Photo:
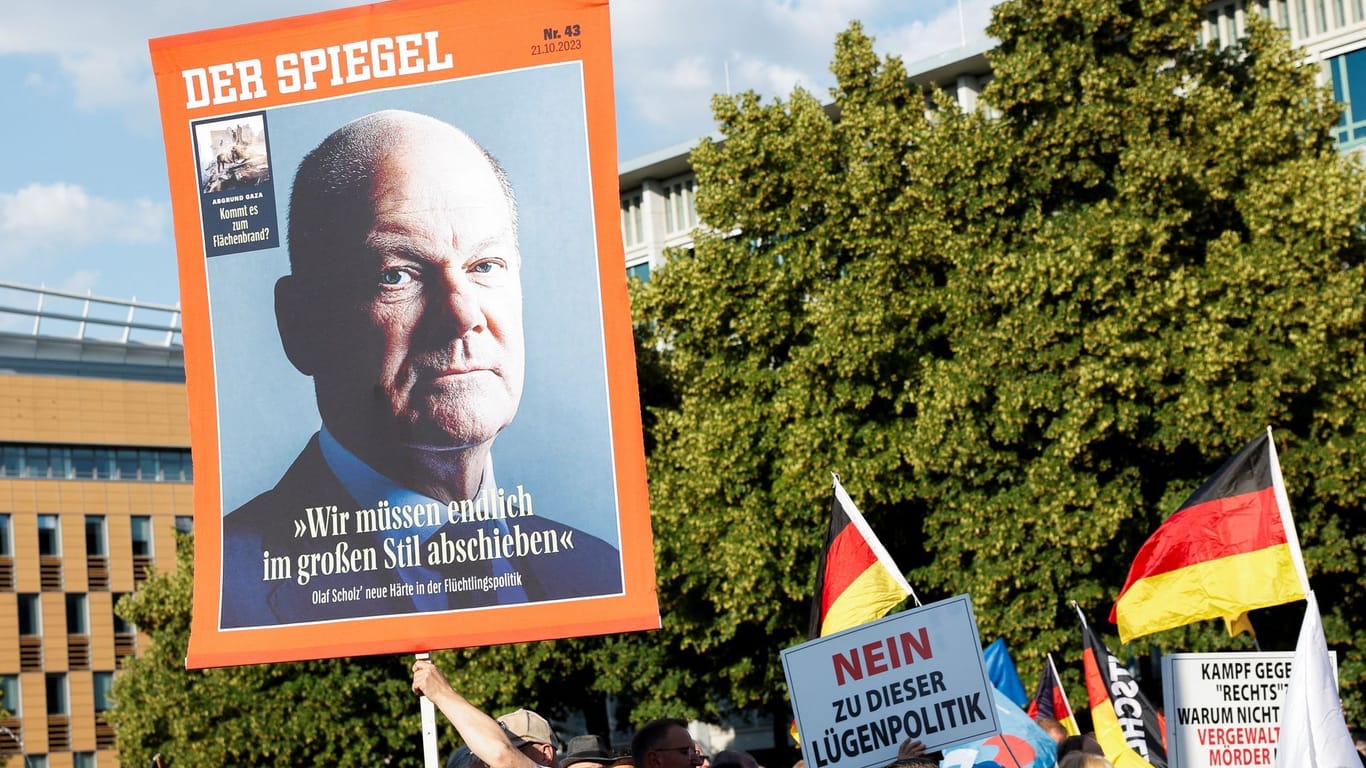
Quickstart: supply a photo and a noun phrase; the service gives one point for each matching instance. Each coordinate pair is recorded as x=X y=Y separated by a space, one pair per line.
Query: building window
x=639 y=272
x=12 y=460
x=184 y=524
x=632 y=220
x=96 y=539
x=83 y=463
x=77 y=615
x=680 y=207
x=1348 y=72
x=6 y=536
x=9 y=695
x=104 y=685
x=38 y=461
x=122 y=626
x=49 y=535
x=142 y=535
x=170 y=465
x=126 y=464
x=57 y=703
x=148 y=466
x=82 y=760
x=30 y=616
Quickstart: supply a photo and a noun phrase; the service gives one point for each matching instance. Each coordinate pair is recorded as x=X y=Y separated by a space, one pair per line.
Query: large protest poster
x=414 y=412
x=918 y=674
x=1224 y=709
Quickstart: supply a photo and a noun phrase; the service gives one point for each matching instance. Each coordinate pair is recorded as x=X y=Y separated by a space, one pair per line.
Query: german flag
x=856 y=581
x=1126 y=725
x=1050 y=700
x=1229 y=549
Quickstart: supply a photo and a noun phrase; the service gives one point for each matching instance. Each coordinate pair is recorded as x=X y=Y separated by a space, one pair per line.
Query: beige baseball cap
x=526 y=727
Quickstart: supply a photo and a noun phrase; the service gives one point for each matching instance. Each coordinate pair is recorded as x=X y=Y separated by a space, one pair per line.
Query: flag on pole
x=1050 y=700
x=1002 y=673
x=1230 y=548
x=856 y=580
x=1126 y=724
x=1313 y=731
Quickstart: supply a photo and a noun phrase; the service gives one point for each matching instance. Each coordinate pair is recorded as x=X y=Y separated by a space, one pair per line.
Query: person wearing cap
x=588 y=751
x=489 y=740
x=533 y=735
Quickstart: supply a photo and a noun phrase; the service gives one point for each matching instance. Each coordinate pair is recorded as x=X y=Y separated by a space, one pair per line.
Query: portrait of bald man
x=404 y=305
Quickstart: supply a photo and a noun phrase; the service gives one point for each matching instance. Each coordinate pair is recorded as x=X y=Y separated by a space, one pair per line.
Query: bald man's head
x=404 y=300
x=331 y=200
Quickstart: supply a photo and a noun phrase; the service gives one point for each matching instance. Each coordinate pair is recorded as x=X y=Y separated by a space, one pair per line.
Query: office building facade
x=95 y=478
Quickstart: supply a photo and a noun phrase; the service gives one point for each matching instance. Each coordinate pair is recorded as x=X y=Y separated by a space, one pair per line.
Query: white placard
x=1224 y=709
x=919 y=674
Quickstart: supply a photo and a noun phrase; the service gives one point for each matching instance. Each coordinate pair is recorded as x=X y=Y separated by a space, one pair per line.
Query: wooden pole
x=430 y=759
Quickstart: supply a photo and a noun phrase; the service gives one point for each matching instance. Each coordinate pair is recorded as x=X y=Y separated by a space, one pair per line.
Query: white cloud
x=52 y=218
x=101 y=46
x=671 y=57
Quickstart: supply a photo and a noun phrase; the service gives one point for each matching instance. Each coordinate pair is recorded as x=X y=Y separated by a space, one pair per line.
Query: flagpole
x=1292 y=537
x=1077 y=608
x=1061 y=690
x=428 y=711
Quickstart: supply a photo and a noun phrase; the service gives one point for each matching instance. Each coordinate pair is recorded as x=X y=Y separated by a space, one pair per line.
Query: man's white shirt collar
x=369 y=487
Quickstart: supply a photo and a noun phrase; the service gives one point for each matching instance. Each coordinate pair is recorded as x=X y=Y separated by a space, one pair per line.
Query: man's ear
x=295 y=324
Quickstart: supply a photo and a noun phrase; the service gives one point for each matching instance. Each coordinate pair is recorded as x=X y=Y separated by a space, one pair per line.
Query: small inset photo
x=232 y=153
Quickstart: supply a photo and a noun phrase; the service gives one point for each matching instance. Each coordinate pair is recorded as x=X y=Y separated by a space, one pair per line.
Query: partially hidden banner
x=413 y=403
x=1224 y=708
x=918 y=674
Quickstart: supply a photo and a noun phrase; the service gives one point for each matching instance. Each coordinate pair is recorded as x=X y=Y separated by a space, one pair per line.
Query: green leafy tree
x=338 y=712
x=1022 y=334
x=781 y=360
x=1162 y=255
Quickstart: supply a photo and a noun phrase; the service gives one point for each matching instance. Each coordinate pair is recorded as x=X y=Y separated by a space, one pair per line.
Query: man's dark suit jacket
x=266 y=524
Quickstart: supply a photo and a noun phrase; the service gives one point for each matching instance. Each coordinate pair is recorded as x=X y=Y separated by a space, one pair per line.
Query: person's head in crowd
x=1053 y=728
x=1085 y=744
x=588 y=751
x=1084 y=760
x=664 y=743
x=733 y=758
x=532 y=734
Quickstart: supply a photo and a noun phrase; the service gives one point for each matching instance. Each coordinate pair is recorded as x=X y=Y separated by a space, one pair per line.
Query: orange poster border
x=487 y=36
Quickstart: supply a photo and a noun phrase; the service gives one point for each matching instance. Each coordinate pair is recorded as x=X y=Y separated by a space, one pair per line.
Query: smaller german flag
x=1050 y=700
x=1138 y=741
x=856 y=581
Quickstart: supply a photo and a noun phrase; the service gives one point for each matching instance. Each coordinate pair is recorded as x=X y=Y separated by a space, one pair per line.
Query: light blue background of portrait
x=559 y=445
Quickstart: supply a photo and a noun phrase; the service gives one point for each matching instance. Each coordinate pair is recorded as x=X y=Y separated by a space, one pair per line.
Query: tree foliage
x=1022 y=334
x=319 y=713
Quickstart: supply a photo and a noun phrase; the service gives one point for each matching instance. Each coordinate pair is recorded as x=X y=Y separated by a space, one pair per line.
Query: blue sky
x=83 y=192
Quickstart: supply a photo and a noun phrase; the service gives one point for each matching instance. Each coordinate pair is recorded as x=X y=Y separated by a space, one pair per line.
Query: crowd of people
x=524 y=739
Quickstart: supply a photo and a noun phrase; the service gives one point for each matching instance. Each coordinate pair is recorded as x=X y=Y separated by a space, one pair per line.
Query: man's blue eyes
x=394 y=277
x=402 y=276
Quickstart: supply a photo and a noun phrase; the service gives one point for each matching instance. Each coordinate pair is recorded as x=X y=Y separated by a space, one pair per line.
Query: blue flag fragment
x=1001 y=670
